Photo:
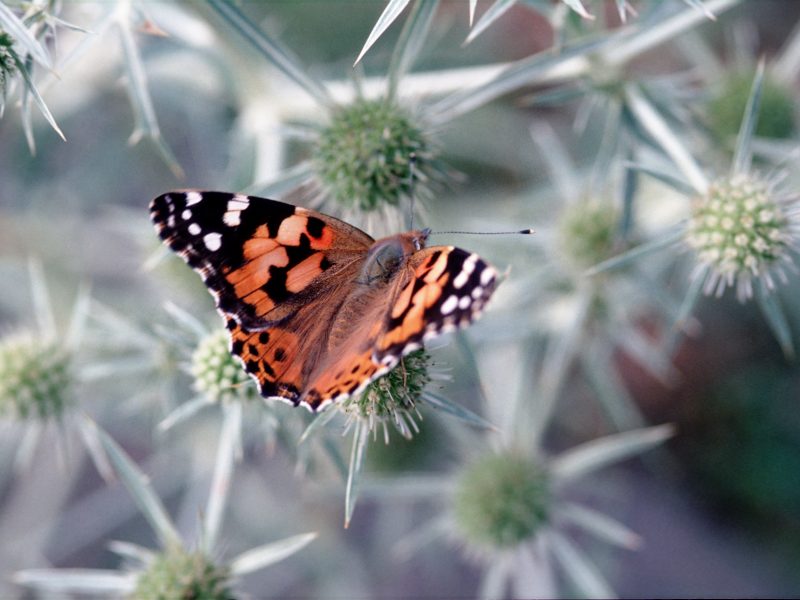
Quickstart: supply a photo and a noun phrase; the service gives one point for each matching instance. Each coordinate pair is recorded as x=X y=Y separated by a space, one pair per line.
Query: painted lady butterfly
x=316 y=308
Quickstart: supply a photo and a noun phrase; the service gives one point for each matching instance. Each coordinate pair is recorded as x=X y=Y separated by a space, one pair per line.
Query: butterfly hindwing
x=260 y=258
x=439 y=289
x=448 y=290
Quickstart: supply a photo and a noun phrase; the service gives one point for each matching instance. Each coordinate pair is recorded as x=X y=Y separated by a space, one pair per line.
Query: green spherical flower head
x=588 y=233
x=776 y=114
x=739 y=232
x=181 y=575
x=35 y=378
x=7 y=64
x=396 y=393
x=364 y=156
x=217 y=374
x=501 y=501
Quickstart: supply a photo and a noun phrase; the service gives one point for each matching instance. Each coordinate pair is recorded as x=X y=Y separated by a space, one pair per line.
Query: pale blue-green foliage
x=650 y=164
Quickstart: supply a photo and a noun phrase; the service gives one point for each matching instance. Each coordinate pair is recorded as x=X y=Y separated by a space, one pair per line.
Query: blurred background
x=717 y=507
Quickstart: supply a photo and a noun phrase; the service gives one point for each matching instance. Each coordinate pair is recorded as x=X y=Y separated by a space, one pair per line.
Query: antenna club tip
x=528 y=231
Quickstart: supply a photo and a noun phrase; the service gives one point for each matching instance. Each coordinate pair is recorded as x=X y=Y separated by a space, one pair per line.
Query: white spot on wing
x=194 y=229
x=238 y=202
x=469 y=263
x=449 y=305
x=411 y=347
x=487 y=275
x=231 y=218
x=464 y=302
x=193 y=198
x=213 y=241
x=460 y=279
x=429 y=335
x=186 y=214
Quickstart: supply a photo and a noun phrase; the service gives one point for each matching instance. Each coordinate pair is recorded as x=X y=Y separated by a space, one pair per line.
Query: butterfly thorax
x=389 y=254
x=385 y=265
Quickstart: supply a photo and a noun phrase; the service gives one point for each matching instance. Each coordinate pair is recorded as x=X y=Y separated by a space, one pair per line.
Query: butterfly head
x=420 y=237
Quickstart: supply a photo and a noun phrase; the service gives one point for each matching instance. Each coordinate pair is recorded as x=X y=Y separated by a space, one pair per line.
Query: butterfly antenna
x=518 y=232
x=412 y=180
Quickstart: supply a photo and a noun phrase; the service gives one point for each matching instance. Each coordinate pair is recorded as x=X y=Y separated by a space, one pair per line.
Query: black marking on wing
x=185 y=219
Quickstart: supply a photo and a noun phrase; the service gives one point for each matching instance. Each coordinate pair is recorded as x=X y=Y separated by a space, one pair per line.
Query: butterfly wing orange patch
x=448 y=290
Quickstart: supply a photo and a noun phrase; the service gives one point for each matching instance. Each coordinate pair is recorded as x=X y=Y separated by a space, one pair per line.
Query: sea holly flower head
x=742 y=230
x=36 y=377
x=178 y=573
x=177 y=569
x=777 y=118
x=7 y=65
x=501 y=501
x=371 y=153
x=588 y=233
x=217 y=374
x=40 y=366
x=393 y=398
x=509 y=507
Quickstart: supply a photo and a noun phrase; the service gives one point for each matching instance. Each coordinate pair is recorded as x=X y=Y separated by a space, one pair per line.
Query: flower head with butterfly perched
x=316 y=308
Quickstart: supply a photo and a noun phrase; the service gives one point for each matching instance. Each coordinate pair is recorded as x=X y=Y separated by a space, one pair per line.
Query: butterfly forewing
x=260 y=258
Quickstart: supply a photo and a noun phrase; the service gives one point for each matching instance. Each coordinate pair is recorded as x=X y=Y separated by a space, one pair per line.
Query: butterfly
x=316 y=308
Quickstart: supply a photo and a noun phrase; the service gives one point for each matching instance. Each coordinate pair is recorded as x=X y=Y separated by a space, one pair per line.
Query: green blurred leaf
x=677 y=184
x=666 y=138
x=579 y=569
x=22 y=35
x=141 y=491
x=621 y=260
x=228 y=446
x=357 y=453
x=410 y=42
x=30 y=88
x=540 y=68
x=278 y=54
x=183 y=412
x=776 y=319
x=77 y=581
x=743 y=154
x=454 y=409
x=269 y=554
x=605 y=451
x=600 y=525
x=494 y=12
x=388 y=16
x=142 y=103
x=579 y=8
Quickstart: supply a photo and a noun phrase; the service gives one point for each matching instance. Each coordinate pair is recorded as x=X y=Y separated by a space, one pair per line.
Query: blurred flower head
x=743 y=229
x=393 y=398
x=218 y=375
x=777 y=118
x=178 y=573
x=39 y=371
x=501 y=501
x=36 y=377
x=372 y=153
x=7 y=64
